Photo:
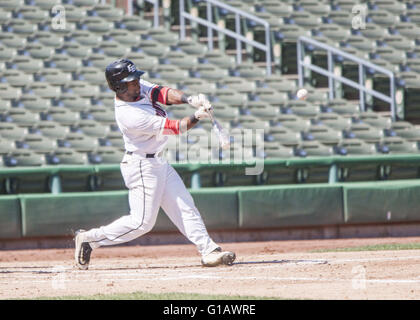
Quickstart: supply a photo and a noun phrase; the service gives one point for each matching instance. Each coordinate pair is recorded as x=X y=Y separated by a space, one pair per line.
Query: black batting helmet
x=119 y=72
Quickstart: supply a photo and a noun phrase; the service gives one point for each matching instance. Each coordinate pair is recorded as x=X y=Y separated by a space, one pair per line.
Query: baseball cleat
x=82 y=250
x=218 y=257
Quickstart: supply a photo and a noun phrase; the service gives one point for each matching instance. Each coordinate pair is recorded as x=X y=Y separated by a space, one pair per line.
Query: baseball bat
x=224 y=139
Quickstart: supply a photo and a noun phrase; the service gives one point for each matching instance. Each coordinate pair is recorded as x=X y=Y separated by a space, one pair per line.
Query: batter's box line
x=285 y=261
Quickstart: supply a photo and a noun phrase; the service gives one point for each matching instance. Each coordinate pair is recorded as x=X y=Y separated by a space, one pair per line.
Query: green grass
x=156 y=296
x=376 y=247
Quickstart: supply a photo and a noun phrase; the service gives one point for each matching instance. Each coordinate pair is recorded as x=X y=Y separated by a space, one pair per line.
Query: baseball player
x=151 y=181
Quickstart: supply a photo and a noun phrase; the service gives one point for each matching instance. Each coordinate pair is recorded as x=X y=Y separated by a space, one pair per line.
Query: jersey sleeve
x=155 y=93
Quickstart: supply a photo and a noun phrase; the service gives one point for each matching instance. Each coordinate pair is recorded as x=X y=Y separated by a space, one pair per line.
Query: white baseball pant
x=153 y=183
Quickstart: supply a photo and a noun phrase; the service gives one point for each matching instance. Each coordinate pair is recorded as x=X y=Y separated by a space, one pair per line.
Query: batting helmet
x=119 y=73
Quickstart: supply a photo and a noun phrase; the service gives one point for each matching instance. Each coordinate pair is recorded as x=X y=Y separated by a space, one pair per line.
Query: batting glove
x=201 y=113
x=198 y=101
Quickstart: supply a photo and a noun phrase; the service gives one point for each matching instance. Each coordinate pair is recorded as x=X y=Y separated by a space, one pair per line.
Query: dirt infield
x=284 y=269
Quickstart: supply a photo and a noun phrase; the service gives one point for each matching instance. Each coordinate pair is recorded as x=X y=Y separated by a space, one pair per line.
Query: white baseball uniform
x=152 y=182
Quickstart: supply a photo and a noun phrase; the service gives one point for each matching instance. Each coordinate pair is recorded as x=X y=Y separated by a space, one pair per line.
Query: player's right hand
x=198 y=101
x=201 y=113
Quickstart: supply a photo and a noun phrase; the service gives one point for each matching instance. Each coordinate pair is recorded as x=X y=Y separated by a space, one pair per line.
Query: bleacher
x=56 y=107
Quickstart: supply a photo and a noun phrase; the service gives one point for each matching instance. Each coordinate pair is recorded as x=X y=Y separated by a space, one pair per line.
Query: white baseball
x=302 y=94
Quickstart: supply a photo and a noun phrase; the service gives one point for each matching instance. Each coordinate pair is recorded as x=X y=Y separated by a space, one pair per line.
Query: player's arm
x=173 y=127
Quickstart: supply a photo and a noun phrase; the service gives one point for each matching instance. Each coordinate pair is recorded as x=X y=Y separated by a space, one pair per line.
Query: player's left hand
x=200 y=100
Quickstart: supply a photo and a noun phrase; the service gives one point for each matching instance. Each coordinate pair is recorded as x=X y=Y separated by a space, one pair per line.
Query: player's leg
x=179 y=205
x=145 y=180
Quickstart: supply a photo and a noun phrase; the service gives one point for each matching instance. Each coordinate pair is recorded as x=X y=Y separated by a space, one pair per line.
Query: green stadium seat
x=303 y=108
x=399 y=42
x=66 y=63
x=181 y=110
x=252 y=122
x=33 y=14
x=400 y=145
x=154 y=48
x=181 y=60
x=285 y=136
x=325 y=134
x=361 y=43
x=262 y=110
x=125 y=37
x=334 y=31
x=112 y=48
x=211 y=72
x=27 y=64
x=108 y=12
x=224 y=112
x=116 y=139
x=44 y=90
x=293 y=122
x=6 y=146
x=73 y=102
x=367 y=132
x=11 y=40
x=392 y=6
x=7 y=92
x=408 y=29
x=250 y=71
x=39 y=143
x=315 y=7
x=277 y=8
x=12 y=131
x=92 y=75
x=97 y=25
x=11 y=5
x=35 y=103
x=306 y=19
x=279 y=152
x=81 y=142
x=7 y=54
x=192 y=48
x=392 y=55
x=334 y=120
x=48 y=39
x=272 y=96
x=83 y=88
x=171 y=73
x=22 y=28
x=281 y=84
x=316 y=148
x=86 y=38
x=374 y=31
x=5 y=105
x=413 y=15
x=52 y=129
x=343 y=107
x=63 y=116
x=93 y=128
x=220 y=59
x=376 y=120
x=110 y=154
x=136 y=24
x=143 y=61
x=22 y=117
x=75 y=49
x=69 y=156
x=231 y=97
x=383 y=18
x=163 y=36
x=39 y=51
x=357 y=147
x=341 y=17
x=193 y=86
x=103 y=115
x=239 y=84
x=28 y=158
x=17 y=78
x=46 y=4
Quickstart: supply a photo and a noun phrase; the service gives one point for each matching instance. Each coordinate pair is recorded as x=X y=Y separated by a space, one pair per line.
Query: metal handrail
x=331 y=76
x=237 y=34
